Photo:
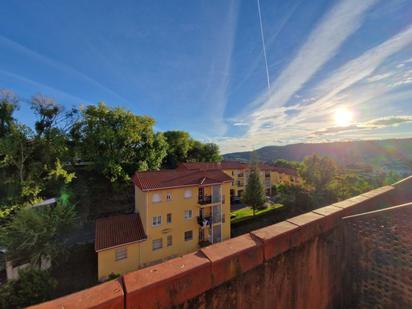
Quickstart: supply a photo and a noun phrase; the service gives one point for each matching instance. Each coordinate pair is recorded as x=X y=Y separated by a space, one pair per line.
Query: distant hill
x=390 y=154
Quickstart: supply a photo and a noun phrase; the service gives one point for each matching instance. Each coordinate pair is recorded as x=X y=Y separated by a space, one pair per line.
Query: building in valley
x=270 y=175
x=176 y=212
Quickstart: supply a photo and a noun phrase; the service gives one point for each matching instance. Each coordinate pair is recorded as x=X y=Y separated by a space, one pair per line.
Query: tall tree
x=179 y=143
x=118 y=142
x=318 y=171
x=8 y=104
x=37 y=233
x=254 y=195
x=33 y=286
x=345 y=186
x=211 y=152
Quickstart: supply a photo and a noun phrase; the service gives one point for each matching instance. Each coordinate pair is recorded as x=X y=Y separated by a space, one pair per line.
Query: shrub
x=33 y=286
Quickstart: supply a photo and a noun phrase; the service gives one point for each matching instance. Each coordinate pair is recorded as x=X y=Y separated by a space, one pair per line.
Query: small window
x=157 y=244
x=188 y=235
x=188 y=214
x=188 y=194
x=169 y=196
x=169 y=218
x=169 y=240
x=156 y=220
x=156 y=198
x=121 y=254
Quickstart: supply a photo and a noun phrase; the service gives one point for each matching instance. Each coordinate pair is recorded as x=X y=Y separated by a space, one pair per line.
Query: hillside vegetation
x=388 y=155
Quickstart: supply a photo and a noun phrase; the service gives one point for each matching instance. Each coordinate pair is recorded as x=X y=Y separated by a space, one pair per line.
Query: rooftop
x=227 y=165
x=118 y=230
x=165 y=179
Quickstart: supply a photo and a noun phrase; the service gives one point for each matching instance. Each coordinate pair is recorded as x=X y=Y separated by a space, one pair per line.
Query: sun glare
x=343 y=117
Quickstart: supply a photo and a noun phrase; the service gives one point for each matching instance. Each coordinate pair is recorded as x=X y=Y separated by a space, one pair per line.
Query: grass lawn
x=247 y=212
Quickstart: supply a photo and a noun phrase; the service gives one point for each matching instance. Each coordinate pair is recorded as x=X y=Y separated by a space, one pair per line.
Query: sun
x=343 y=117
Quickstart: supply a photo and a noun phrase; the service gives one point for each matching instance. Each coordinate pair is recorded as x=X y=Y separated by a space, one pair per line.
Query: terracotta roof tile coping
x=170 y=283
x=233 y=257
x=226 y=249
x=168 y=270
x=276 y=238
x=106 y=295
x=305 y=219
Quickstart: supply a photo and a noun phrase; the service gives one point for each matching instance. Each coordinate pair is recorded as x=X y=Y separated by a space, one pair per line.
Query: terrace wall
x=380 y=251
x=302 y=262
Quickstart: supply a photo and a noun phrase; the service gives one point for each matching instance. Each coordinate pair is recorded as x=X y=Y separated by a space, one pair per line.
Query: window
x=156 y=220
x=157 y=244
x=169 y=218
x=121 y=254
x=188 y=235
x=168 y=196
x=156 y=198
x=188 y=194
x=169 y=240
x=188 y=214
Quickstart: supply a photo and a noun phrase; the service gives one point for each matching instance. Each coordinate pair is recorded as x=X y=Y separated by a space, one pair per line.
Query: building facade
x=269 y=175
x=176 y=212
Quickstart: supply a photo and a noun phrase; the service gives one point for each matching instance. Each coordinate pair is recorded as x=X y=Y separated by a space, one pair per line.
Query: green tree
x=211 y=153
x=296 y=198
x=48 y=112
x=33 y=286
x=8 y=104
x=118 y=142
x=254 y=195
x=348 y=185
x=183 y=148
x=38 y=233
x=318 y=171
x=179 y=143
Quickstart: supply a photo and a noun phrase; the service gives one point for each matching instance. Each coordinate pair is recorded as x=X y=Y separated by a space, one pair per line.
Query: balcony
x=207 y=199
x=204 y=221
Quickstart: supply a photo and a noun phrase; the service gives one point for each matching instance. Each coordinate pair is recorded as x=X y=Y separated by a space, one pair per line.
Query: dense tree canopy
x=37 y=233
x=33 y=286
x=118 y=142
x=183 y=148
x=112 y=142
x=318 y=171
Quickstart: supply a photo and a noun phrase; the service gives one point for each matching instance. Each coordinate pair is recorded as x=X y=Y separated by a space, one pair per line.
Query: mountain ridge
x=388 y=154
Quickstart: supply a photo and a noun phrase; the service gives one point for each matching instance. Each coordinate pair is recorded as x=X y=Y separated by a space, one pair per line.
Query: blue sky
x=198 y=65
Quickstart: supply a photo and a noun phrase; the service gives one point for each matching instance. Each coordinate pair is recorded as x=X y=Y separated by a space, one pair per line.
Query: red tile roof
x=213 y=165
x=118 y=230
x=223 y=165
x=164 y=179
x=285 y=170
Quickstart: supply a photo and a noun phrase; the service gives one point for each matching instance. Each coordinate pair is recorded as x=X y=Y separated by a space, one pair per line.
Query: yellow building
x=239 y=172
x=176 y=212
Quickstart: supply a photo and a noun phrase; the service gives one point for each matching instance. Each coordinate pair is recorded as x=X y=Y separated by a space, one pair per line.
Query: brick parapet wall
x=296 y=263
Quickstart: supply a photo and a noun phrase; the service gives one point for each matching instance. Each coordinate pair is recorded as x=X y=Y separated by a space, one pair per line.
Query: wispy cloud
x=378 y=123
x=218 y=77
x=61 y=67
x=321 y=45
x=351 y=84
